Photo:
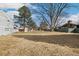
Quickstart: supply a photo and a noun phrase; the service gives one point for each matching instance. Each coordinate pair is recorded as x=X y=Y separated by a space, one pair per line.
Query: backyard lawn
x=40 y=43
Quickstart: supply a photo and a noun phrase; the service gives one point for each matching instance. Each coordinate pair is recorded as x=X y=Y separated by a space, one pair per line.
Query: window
x=7 y=29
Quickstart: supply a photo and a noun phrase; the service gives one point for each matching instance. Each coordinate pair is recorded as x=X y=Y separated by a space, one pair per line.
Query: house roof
x=71 y=23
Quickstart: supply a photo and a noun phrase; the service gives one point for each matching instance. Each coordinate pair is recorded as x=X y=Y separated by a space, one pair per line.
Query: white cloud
x=74 y=18
x=11 y=5
x=31 y=6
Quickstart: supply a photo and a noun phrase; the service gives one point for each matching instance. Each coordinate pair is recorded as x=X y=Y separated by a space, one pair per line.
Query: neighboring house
x=77 y=29
x=6 y=24
x=14 y=19
x=68 y=27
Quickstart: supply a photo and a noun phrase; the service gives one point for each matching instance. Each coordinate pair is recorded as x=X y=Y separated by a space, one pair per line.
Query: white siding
x=6 y=24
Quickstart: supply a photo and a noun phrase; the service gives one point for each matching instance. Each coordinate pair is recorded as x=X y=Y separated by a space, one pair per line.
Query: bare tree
x=50 y=12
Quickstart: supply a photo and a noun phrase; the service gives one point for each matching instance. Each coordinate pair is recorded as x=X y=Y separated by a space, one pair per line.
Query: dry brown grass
x=40 y=43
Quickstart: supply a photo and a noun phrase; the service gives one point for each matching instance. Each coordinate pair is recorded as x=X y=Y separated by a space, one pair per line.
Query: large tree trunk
x=52 y=26
x=24 y=25
x=52 y=29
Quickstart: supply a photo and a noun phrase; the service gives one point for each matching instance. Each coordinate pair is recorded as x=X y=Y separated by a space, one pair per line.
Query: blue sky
x=70 y=10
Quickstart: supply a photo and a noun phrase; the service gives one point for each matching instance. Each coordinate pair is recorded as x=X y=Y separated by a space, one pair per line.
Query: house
x=6 y=24
x=68 y=27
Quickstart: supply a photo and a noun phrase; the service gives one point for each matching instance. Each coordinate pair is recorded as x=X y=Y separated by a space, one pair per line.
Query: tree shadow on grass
x=63 y=40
